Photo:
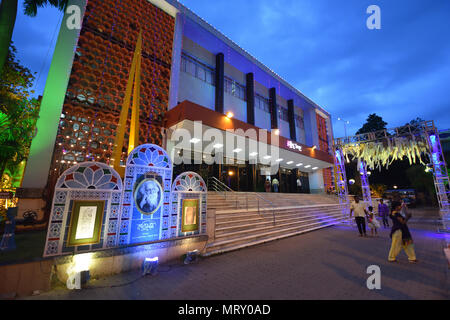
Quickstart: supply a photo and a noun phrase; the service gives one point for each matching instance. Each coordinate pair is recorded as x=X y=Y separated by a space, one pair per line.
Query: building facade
x=192 y=75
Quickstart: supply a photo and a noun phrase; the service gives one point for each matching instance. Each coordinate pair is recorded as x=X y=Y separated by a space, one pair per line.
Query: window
x=234 y=88
x=299 y=121
x=197 y=69
x=283 y=113
x=262 y=103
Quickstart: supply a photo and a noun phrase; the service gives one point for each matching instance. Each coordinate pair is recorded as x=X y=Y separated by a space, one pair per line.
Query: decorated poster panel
x=85 y=210
x=190 y=215
x=146 y=195
x=86 y=223
x=188 y=205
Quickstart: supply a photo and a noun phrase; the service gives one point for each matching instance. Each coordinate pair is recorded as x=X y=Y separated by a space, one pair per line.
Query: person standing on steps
x=299 y=185
x=267 y=185
x=359 y=208
x=275 y=184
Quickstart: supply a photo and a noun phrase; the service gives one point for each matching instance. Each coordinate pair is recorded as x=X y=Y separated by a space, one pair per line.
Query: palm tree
x=8 y=13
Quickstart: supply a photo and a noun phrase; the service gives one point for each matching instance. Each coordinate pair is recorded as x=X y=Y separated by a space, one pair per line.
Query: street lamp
x=345 y=125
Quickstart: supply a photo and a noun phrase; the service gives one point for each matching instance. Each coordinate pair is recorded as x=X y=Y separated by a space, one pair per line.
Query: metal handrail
x=219 y=186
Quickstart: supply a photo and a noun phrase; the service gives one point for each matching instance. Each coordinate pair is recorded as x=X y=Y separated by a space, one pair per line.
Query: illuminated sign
x=294 y=146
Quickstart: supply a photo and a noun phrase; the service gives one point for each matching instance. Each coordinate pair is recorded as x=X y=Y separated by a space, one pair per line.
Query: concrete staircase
x=292 y=214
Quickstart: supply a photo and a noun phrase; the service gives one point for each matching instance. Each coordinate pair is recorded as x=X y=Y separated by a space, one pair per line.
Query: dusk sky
x=321 y=47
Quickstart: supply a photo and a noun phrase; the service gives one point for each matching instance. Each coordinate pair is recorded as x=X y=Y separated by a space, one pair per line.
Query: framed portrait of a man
x=148 y=196
x=190 y=215
x=85 y=223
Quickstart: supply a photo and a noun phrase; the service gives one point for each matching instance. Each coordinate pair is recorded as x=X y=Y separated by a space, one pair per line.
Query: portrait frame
x=136 y=193
x=186 y=204
x=96 y=235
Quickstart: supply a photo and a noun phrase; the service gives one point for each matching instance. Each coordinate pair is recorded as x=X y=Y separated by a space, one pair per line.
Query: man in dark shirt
x=383 y=212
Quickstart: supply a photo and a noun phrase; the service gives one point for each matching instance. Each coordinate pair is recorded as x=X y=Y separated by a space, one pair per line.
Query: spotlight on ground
x=191 y=257
x=77 y=280
x=150 y=266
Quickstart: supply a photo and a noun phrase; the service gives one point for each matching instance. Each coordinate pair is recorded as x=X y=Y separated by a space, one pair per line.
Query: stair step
x=256 y=242
x=221 y=226
x=250 y=236
x=271 y=226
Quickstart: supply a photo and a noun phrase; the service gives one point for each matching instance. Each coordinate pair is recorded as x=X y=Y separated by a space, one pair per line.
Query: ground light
x=191 y=257
x=230 y=115
x=150 y=266
x=78 y=273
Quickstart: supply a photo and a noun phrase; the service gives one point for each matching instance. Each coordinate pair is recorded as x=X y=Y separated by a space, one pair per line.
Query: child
x=373 y=222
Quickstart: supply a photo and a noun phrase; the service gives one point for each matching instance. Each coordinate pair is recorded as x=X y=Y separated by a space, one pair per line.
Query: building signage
x=294 y=146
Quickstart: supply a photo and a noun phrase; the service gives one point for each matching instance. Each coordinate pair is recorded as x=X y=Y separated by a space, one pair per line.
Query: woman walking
x=401 y=237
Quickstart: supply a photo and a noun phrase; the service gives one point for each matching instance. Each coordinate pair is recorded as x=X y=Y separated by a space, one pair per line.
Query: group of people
x=275 y=185
x=398 y=213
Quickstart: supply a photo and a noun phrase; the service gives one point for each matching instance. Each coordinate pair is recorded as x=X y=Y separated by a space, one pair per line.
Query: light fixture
x=308 y=166
x=315 y=168
x=290 y=162
x=276 y=132
x=194 y=140
x=230 y=115
x=299 y=164
x=267 y=157
x=395 y=187
x=314 y=147
x=78 y=272
x=150 y=266
x=279 y=160
x=351 y=181
x=191 y=257
x=230 y=173
x=253 y=154
x=217 y=146
x=237 y=150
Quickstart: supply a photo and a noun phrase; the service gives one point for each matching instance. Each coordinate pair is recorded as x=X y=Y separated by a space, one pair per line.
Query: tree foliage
x=373 y=123
x=31 y=6
x=18 y=112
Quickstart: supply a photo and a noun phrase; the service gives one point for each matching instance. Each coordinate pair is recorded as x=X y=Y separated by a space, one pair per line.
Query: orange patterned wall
x=99 y=76
x=324 y=146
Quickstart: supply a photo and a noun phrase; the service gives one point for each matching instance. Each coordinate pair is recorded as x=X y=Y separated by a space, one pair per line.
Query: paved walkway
x=325 y=264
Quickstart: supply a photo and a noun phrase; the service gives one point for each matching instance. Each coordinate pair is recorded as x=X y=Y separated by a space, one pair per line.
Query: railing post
x=246 y=196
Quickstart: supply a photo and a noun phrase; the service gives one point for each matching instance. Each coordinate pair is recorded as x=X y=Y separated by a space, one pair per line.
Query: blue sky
x=323 y=48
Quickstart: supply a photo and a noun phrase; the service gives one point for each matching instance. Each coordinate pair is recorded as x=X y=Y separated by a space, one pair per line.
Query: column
x=220 y=82
x=250 y=86
x=291 y=115
x=273 y=108
x=41 y=150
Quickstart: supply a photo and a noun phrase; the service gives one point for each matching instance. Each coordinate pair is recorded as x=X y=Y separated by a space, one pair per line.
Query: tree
x=8 y=13
x=18 y=112
x=422 y=181
x=373 y=123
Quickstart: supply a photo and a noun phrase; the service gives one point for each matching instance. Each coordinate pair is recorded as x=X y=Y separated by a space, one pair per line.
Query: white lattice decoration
x=84 y=181
x=188 y=185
